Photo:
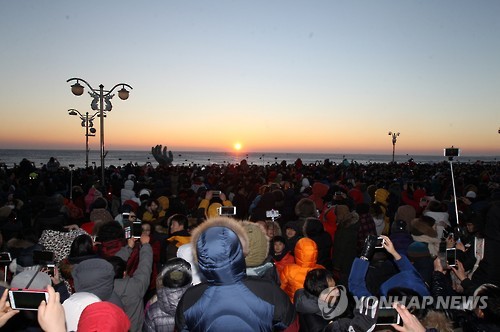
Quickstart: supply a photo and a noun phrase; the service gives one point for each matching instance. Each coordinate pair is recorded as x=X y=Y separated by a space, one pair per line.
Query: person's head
x=491 y=312
x=147 y=228
x=103 y=316
x=152 y=205
x=318 y=280
x=279 y=244
x=110 y=231
x=82 y=245
x=119 y=266
x=272 y=229
x=291 y=229
x=176 y=273
x=305 y=208
x=100 y=203
x=177 y=222
x=220 y=246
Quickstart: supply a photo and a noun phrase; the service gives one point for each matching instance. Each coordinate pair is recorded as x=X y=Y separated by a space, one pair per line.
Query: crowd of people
x=240 y=247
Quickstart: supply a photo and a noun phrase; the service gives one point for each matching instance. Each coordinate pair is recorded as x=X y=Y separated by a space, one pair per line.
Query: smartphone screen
x=26 y=300
x=379 y=243
x=137 y=229
x=43 y=256
x=387 y=316
x=226 y=210
x=451 y=257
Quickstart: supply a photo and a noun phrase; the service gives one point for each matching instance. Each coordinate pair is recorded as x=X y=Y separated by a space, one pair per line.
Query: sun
x=237 y=146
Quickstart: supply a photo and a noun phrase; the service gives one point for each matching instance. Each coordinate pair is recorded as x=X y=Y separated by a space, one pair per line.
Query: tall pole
x=77 y=90
x=101 y=114
x=87 y=140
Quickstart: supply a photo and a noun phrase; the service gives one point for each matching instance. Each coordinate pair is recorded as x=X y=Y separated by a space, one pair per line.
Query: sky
x=274 y=76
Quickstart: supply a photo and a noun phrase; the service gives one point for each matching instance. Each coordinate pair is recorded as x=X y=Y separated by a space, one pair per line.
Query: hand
x=131 y=242
x=460 y=246
x=72 y=227
x=410 y=322
x=365 y=317
x=51 y=314
x=387 y=243
x=161 y=155
x=208 y=195
x=145 y=239
x=222 y=197
x=6 y=311
x=438 y=267
x=459 y=271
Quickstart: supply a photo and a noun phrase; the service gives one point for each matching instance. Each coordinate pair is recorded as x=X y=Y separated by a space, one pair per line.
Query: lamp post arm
x=81 y=79
x=108 y=92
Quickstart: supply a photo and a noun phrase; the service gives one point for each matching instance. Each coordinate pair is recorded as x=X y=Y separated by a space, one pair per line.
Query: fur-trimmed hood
x=220 y=246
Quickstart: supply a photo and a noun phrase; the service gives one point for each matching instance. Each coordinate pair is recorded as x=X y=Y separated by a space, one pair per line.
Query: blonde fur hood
x=230 y=223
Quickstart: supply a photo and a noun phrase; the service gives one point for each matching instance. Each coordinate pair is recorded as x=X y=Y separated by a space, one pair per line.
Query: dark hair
x=110 y=231
x=404 y=296
x=492 y=310
x=279 y=238
x=317 y=281
x=176 y=273
x=181 y=220
x=82 y=245
x=119 y=266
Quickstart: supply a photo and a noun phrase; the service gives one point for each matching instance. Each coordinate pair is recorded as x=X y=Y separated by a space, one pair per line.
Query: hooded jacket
x=220 y=246
x=96 y=276
x=160 y=317
x=293 y=275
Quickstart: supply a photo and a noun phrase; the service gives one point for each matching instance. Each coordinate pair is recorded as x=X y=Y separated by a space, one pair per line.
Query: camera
x=273 y=214
x=5 y=257
x=451 y=152
x=388 y=316
x=43 y=257
x=27 y=299
x=380 y=243
x=226 y=210
x=127 y=227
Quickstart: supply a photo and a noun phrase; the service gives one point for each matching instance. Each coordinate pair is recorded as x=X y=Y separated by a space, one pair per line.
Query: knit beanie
x=176 y=273
x=406 y=213
x=258 y=244
x=381 y=196
x=418 y=250
x=305 y=208
x=103 y=316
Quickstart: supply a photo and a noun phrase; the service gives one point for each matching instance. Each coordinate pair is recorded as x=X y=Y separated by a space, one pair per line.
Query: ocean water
x=11 y=157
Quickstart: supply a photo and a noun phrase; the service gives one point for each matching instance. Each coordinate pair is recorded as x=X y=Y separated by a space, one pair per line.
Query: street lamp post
x=88 y=123
x=394 y=139
x=102 y=96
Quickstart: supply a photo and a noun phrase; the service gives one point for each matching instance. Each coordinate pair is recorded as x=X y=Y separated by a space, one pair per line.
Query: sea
x=12 y=157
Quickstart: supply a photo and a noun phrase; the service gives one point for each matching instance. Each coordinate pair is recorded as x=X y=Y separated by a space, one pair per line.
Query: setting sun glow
x=237 y=146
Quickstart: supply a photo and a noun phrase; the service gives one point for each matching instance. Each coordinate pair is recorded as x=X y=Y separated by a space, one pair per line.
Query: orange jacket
x=293 y=275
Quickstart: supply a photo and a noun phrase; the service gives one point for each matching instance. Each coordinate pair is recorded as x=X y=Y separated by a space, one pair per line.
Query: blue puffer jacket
x=229 y=300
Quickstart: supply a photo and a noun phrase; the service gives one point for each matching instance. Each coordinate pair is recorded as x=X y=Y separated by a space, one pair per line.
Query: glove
x=365 y=316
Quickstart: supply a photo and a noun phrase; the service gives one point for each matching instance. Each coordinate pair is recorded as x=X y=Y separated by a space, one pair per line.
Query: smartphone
x=127 y=226
x=226 y=210
x=451 y=257
x=380 y=243
x=27 y=299
x=387 y=316
x=5 y=257
x=272 y=214
x=42 y=256
x=50 y=269
x=137 y=229
x=216 y=192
